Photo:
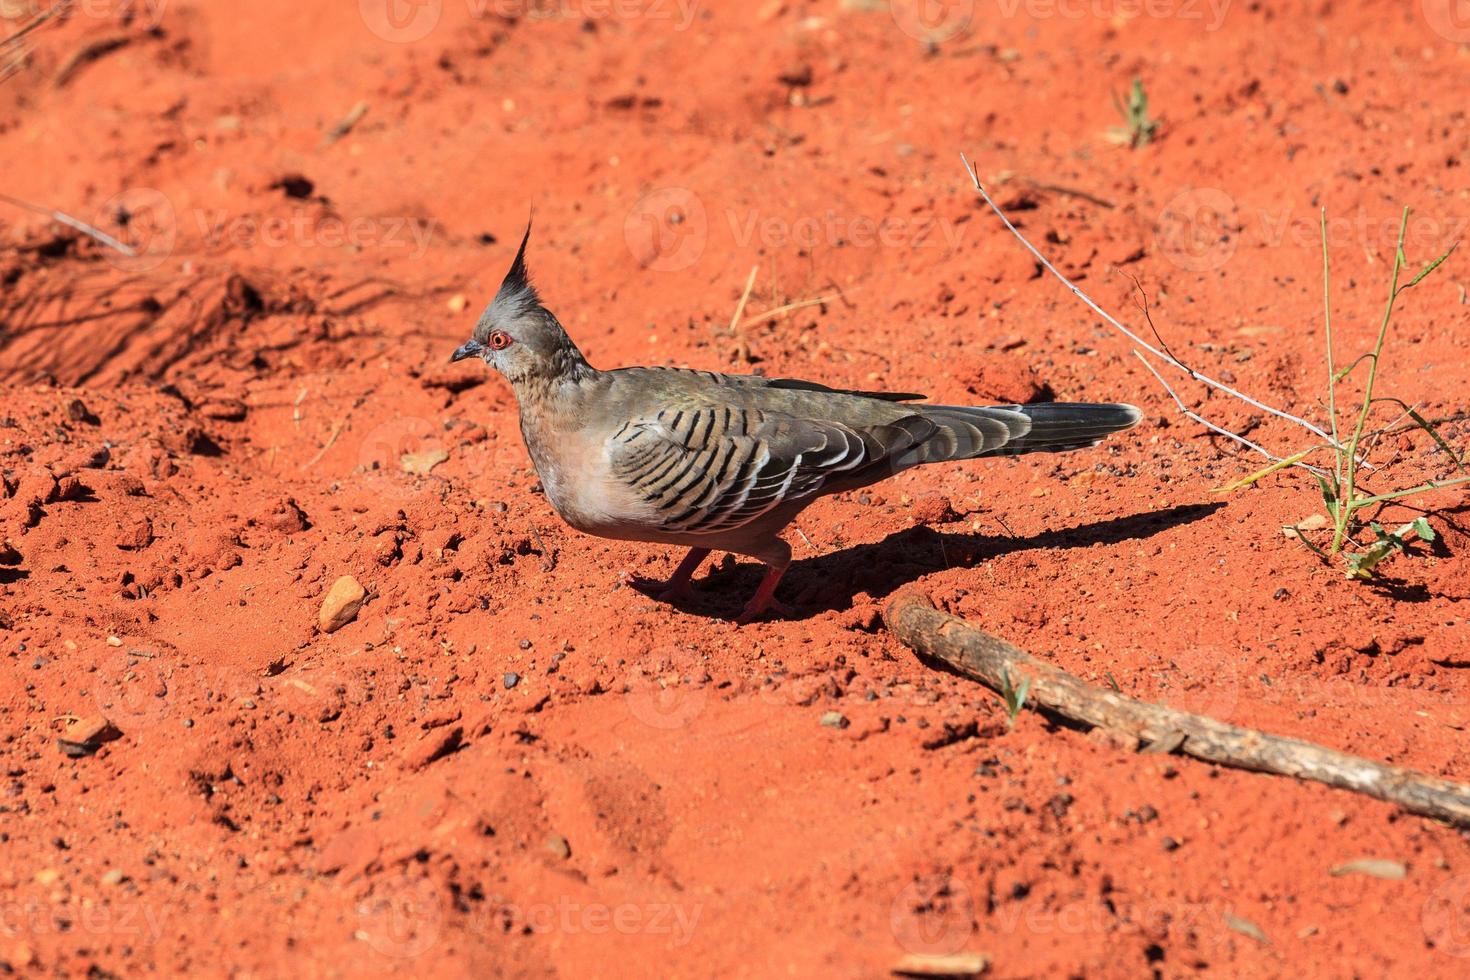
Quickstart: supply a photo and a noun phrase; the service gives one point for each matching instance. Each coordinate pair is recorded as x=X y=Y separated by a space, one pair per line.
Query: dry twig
x=996 y=663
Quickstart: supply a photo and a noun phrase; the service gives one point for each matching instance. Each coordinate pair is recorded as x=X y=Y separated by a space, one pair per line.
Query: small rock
x=797 y=76
x=511 y=679
x=224 y=409
x=1001 y=377
x=77 y=411
x=933 y=508
x=341 y=604
x=1374 y=868
x=558 y=845
x=114 y=877
x=135 y=536
x=835 y=719
x=422 y=463
x=942 y=965
x=435 y=744
x=1246 y=928
x=83 y=736
x=284 y=516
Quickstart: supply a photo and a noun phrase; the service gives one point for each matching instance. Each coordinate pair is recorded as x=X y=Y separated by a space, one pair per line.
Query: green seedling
x=1015 y=697
x=1138 y=129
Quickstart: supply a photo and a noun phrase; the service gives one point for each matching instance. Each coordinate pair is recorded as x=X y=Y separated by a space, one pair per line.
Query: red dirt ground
x=655 y=794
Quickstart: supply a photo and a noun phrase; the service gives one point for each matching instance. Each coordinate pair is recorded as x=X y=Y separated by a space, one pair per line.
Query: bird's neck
x=565 y=371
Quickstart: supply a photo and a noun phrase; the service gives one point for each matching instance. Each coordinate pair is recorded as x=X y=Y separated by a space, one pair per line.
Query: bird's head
x=516 y=335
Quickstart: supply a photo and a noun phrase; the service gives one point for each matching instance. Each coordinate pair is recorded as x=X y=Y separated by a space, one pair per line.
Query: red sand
x=656 y=795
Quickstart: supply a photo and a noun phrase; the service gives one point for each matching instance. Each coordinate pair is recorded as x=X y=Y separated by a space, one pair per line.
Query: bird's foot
x=757 y=609
x=664 y=590
x=676 y=587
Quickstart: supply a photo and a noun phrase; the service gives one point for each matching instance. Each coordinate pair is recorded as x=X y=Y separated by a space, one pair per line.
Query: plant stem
x=1346 y=502
x=1422 y=488
x=1327 y=328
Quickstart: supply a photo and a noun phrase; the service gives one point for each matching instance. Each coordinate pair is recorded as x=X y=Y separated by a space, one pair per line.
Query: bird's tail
x=1010 y=430
x=1057 y=427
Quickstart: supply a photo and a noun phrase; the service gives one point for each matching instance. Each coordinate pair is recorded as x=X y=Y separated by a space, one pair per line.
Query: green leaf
x=1422 y=528
x=1432 y=266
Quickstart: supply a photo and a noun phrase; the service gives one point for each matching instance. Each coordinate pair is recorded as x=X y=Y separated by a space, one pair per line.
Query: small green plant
x=1342 y=485
x=1015 y=697
x=1138 y=129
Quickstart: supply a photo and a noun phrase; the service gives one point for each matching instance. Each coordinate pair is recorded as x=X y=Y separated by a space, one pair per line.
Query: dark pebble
x=511 y=680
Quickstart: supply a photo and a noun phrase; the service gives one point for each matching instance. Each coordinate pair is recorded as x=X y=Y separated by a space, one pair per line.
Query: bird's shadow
x=830 y=581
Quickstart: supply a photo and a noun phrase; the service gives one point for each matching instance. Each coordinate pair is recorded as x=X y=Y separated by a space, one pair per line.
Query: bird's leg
x=677 y=585
x=777 y=559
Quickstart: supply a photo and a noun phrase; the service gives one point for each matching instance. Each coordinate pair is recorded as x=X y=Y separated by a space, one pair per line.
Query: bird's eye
x=499 y=340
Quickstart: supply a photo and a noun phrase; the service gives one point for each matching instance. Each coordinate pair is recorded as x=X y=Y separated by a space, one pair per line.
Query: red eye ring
x=499 y=340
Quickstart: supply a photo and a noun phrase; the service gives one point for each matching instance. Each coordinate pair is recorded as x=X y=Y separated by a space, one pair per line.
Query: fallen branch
x=992 y=661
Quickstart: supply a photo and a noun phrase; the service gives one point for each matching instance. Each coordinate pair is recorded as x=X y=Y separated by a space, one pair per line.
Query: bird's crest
x=516 y=294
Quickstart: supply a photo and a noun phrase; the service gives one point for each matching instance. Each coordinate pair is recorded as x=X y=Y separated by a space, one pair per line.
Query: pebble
x=834 y=719
x=511 y=679
x=82 y=736
x=341 y=604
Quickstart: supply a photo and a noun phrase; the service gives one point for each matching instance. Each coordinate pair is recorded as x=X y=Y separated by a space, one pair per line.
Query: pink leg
x=765 y=597
x=677 y=585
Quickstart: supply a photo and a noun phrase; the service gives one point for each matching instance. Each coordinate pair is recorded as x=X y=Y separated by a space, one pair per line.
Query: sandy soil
x=510 y=764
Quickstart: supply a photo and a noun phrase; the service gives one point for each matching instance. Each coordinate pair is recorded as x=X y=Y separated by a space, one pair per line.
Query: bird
x=714 y=461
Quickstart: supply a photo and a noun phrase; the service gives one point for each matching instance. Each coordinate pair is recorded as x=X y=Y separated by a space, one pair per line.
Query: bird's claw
x=663 y=591
x=755 y=610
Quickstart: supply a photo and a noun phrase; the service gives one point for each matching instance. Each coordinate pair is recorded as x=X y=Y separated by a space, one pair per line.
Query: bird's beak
x=470 y=348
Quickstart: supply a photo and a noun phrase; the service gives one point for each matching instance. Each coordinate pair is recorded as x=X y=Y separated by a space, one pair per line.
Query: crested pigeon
x=722 y=461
